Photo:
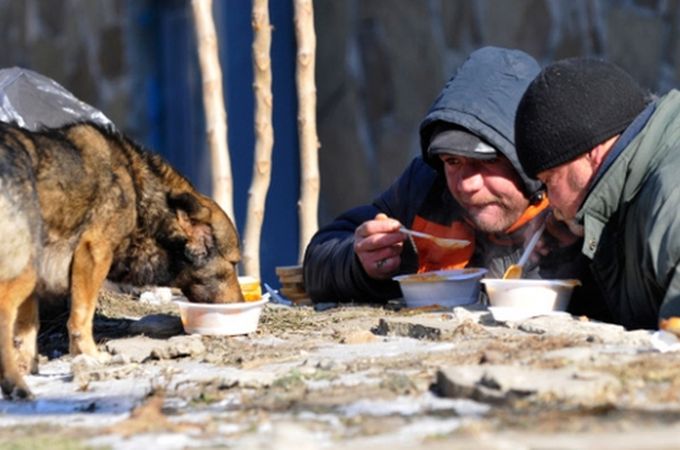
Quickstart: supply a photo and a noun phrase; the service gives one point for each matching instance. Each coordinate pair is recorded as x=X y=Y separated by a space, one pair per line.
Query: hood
x=482 y=97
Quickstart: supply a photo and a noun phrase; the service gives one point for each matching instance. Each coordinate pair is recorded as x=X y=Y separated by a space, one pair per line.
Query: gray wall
x=380 y=63
x=79 y=43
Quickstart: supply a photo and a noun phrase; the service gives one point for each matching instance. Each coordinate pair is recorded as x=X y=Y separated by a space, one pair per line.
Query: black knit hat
x=569 y=108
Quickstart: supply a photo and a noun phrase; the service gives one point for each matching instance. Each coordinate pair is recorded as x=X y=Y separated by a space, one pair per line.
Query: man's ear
x=598 y=153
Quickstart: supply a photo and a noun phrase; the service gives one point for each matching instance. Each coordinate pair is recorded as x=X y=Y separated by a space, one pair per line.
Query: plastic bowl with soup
x=226 y=318
x=527 y=297
x=446 y=288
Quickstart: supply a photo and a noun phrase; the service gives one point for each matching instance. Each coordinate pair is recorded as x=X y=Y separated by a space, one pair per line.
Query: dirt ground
x=310 y=354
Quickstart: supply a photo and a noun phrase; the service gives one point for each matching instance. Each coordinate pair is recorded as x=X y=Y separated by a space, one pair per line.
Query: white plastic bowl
x=517 y=298
x=226 y=319
x=447 y=288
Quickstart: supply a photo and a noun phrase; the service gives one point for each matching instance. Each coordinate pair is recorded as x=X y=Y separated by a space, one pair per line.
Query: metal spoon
x=440 y=241
x=515 y=270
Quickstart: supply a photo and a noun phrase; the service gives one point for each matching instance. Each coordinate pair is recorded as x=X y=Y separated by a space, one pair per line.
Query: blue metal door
x=174 y=111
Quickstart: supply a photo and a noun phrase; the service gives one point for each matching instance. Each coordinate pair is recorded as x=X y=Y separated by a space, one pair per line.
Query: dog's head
x=205 y=248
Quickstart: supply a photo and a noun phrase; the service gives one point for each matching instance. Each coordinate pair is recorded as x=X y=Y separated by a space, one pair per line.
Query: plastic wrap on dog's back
x=34 y=101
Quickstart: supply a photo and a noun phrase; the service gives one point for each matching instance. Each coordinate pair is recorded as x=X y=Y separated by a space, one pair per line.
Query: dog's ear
x=187 y=202
x=199 y=241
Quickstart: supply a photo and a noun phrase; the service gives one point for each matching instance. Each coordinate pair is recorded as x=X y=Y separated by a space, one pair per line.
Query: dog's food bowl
x=221 y=319
x=514 y=299
x=446 y=288
x=251 y=288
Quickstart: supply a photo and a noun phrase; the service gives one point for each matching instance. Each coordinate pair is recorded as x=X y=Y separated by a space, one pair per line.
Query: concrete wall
x=79 y=43
x=380 y=63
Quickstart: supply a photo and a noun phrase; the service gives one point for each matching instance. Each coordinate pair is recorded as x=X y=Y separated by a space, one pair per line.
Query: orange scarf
x=433 y=257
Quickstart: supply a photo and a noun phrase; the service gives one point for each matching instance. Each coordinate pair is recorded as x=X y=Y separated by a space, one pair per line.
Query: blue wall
x=174 y=112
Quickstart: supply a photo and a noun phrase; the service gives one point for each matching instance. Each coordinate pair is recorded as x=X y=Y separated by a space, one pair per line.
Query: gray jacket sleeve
x=665 y=254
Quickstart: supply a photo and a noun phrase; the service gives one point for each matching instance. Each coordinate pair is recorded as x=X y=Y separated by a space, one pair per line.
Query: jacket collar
x=624 y=176
x=531 y=212
x=515 y=234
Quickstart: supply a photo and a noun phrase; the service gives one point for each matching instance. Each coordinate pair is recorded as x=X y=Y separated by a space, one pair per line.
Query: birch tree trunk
x=264 y=137
x=309 y=143
x=213 y=103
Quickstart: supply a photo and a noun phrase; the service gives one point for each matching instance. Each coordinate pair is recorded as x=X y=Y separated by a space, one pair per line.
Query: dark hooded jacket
x=481 y=97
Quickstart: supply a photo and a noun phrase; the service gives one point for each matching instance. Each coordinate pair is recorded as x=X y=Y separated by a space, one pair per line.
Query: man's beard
x=484 y=221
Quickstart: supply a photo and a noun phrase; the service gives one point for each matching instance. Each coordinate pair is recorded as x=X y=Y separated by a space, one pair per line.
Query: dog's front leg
x=91 y=263
x=26 y=335
x=13 y=293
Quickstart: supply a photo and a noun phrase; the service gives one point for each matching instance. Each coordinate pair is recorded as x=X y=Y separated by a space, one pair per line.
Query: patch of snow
x=664 y=341
x=166 y=441
x=382 y=349
x=409 y=406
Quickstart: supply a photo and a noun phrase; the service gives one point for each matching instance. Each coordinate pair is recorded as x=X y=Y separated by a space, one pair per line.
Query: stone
x=159 y=326
x=417 y=328
x=504 y=384
x=86 y=368
x=135 y=349
x=141 y=348
x=358 y=337
x=572 y=354
x=179 y=346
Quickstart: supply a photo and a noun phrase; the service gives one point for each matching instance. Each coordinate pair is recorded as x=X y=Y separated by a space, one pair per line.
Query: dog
x=83 y=203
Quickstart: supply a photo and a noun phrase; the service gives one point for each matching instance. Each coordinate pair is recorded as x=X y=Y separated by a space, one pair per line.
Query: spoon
x=440 y=241
x=276 y=298
x=515 y=270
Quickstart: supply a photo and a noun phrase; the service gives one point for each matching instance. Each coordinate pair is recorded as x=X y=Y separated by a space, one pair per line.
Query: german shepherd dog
x=83 y=203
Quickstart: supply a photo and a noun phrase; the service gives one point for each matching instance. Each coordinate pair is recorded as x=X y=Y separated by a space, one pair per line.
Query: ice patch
x=408 y=406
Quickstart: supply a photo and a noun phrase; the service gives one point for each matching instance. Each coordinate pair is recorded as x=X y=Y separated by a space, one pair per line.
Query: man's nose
x=470 y=181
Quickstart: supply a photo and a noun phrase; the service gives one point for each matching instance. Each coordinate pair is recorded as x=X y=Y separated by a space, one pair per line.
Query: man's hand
x=378 y=245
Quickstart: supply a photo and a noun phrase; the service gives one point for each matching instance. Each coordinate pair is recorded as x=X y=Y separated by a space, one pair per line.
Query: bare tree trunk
x=309 y=142
x=213 y=102
x=264 y=137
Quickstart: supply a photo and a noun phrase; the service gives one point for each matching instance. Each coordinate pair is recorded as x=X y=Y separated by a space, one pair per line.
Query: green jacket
x=632 y=223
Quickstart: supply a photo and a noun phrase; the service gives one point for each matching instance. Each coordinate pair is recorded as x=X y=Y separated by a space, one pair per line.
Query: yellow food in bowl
x=251 y=289
x=671 y=325
x=425 y=277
